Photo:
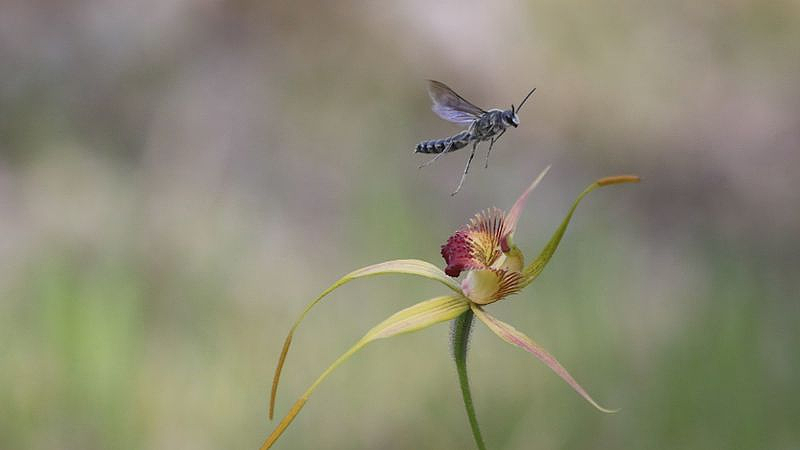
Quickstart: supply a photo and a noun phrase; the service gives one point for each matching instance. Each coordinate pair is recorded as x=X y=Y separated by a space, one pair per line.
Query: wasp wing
x=450 y=106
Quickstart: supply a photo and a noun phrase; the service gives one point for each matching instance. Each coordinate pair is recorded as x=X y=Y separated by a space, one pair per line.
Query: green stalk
x=461 y=328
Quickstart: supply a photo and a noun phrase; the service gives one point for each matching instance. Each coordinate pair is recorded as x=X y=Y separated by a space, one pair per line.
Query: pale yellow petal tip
x=619 y=179
x=607 y=411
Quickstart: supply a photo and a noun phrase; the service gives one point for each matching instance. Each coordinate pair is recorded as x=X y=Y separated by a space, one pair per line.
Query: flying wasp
x=482 y=125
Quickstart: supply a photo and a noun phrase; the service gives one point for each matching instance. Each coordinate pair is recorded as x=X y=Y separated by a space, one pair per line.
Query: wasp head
x=510 y=117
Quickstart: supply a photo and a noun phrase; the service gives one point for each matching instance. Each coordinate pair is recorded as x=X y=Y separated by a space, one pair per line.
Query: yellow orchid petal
x=413 y=318
x=536 y=267
x=509 y=334
x=402 y=266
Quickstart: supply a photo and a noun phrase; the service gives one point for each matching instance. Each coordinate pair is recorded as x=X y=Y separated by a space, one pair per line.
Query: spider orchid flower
x=495 y=269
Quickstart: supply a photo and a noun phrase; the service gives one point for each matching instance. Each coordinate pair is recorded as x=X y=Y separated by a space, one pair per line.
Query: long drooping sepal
x=509 y=334
x=417 y=317
x=535 y=268
x=461 y=330
x=402 y=266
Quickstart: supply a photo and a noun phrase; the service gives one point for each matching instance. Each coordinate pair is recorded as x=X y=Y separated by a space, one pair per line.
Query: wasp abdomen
x=448 y=144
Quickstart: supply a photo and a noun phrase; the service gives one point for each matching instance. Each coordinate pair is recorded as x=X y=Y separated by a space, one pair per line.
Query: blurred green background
x=178 y=178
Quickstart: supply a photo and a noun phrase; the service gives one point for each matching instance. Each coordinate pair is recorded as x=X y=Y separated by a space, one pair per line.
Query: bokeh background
x=178 y=178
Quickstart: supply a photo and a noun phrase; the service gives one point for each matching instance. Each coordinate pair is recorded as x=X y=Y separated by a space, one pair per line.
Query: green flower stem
x=461 y=328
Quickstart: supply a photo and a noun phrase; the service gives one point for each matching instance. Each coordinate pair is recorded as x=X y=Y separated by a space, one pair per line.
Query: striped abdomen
x=449 y=144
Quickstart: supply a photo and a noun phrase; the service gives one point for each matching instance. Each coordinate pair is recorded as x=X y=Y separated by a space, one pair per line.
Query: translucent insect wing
x=450 y=106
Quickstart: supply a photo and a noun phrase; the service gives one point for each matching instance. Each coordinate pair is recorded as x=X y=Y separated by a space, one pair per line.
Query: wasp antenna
x=525 y=99
x=512 y=109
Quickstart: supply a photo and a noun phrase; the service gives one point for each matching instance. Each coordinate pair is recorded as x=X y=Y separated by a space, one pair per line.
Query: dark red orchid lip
x=456 y=253
x=476 y=245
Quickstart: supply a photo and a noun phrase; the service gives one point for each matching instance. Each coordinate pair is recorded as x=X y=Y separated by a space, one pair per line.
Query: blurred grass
x=97 y=365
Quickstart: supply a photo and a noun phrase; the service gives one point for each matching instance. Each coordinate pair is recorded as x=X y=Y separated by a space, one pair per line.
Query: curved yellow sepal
x=401 y=266
x=535 y=268
x=417 y=317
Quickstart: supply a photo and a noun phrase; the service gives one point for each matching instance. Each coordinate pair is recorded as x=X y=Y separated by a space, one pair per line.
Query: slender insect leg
x=446 y=149
x=491 y=144
x=466 y=168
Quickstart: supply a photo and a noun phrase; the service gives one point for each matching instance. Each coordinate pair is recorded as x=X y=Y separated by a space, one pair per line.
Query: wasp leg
x=491 y=144
x=446 y=150
x=466 y=169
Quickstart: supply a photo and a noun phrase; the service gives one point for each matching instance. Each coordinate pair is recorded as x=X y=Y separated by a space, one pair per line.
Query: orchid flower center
x=483 y=249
